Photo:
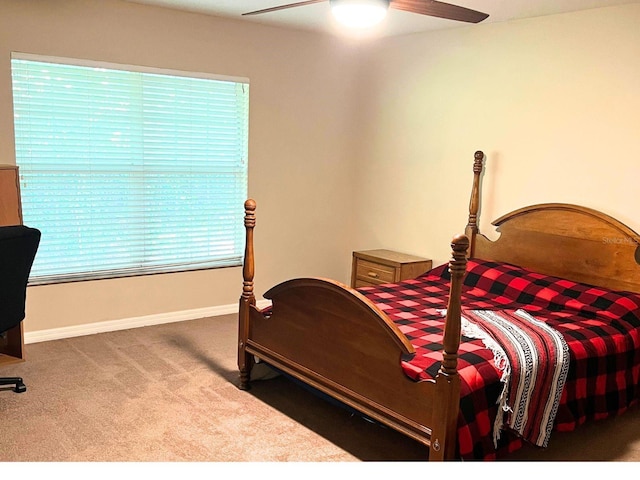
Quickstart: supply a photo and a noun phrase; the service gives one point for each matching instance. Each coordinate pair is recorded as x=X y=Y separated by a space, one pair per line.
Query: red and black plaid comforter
x=601 y=328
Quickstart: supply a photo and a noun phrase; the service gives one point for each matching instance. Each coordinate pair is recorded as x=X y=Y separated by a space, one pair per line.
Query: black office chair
x=18 y=247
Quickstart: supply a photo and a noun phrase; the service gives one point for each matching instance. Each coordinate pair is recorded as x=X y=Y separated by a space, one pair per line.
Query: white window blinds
x=127 y=170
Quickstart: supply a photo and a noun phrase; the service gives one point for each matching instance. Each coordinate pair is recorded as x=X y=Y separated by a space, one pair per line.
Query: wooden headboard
x=559 y=239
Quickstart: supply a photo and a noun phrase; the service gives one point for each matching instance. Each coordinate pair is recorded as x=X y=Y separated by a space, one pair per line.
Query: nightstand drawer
x=374 y=272
x=373 y=267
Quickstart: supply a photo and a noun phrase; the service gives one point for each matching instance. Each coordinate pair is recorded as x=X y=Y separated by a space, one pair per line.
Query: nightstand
x=374 y=267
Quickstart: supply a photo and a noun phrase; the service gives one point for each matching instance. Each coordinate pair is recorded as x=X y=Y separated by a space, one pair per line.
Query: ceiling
x=318 y=17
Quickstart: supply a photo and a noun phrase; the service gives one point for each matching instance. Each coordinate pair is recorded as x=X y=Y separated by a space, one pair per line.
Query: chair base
x=19 y=385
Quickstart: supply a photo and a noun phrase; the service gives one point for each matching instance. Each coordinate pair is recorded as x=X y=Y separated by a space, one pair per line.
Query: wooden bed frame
x=334 y=339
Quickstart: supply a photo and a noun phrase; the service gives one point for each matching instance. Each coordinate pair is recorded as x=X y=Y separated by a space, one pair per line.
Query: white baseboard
x=133 y=322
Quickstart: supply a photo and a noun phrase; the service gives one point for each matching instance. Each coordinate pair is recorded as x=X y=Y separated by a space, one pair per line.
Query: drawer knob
x=373 y=274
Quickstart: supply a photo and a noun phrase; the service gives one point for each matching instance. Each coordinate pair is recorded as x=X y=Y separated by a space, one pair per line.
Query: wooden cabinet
x=10 y=207
x=375 y=267
x=11 y=341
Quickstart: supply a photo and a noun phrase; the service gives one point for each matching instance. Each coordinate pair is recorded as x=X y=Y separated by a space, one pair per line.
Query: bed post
x=443 y=434
x=457 y=267
x=474 y=203
x=245 y=360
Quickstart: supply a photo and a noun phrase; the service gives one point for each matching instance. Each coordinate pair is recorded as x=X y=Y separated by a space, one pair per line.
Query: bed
x=446 y=358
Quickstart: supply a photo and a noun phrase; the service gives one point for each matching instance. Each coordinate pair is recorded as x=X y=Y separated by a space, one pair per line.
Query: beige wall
x=552 y=101
x=300 y=158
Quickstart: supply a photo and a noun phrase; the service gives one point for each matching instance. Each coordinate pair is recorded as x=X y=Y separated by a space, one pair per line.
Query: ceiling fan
x=364 y=13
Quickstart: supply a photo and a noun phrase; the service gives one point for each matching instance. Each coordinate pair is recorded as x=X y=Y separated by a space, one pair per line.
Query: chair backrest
x=18 y=247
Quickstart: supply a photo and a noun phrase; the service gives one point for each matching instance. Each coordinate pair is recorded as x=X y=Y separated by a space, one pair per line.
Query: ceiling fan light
x=359 y=13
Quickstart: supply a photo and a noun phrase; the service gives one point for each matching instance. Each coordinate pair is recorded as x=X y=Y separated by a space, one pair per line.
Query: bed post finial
x=474 y=202
x=247 y=299
x=457 y=267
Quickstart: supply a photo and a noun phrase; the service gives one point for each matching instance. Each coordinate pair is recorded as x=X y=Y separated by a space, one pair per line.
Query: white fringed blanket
x=534 y=360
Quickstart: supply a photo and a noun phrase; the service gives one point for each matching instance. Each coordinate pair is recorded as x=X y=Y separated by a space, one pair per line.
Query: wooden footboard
x=337 y=341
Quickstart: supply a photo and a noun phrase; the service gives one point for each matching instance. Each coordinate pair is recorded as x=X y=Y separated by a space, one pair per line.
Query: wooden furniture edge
x=376 y=256
x=349 y=295
x=12 y=345
x=376 y=262
x=559 y=239
x=16 y=168
x=247 y=299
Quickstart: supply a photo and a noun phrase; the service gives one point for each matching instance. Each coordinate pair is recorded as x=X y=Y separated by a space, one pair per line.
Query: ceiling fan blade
x=439 y=9
x=282 y=7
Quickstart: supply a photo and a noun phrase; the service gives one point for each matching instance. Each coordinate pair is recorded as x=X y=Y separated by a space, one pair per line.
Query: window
x=129 y=170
